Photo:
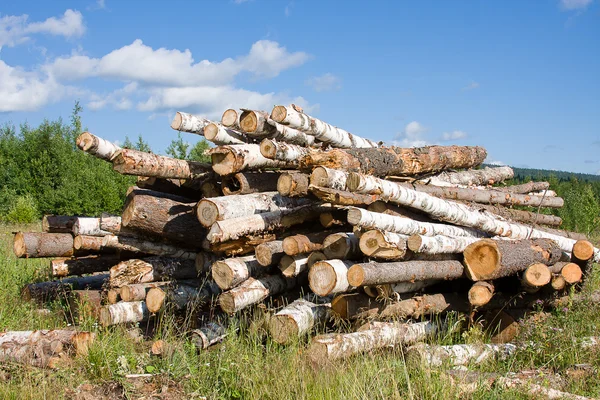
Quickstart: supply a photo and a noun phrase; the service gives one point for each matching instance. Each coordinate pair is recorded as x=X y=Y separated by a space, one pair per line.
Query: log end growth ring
x=279 y=113
x=481 y=258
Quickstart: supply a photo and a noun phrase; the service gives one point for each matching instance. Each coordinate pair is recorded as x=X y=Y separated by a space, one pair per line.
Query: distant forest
x=527 y=174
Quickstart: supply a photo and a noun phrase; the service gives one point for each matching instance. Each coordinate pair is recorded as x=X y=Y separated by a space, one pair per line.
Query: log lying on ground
x=297 y=319
x=222 y=208
x=93 y=226
x=133 y=162
x=151 y=269
x=58 y=223
x=570 y=272
x=231 y=118
x=231 y=272
x=111 y=243
x=386 y=161
x=481 y=293
x=269 y=253
x=342 y=198
x=420 y=306
x=393 y=290
x=97 y=146
x=231 y=159
x=336 y=346
x=473 y=177
x=343 y=246
x=221 y=135
x=458 y=354
x=124 y=312
x=43 y=348
x=370 y=220
x=299 y=244
x=180 y=296
x=42 y=244
x=250 y=182
x=47 y=291
x=293 y=184
x=138 y=291
x=185 y=122
x=491 y=259
x=329 y=277
x=83 y=265
x=208 y=334
x=163 y=218
x=374 y=273
x=439 y=244
x=293 y=117
x=525 y=187
x=527 y=217
x=253 y=291
x=452 y=212
x=293 y=265
x=383 y=245
x=241 y=246
x=282 y=151
x=232 y=229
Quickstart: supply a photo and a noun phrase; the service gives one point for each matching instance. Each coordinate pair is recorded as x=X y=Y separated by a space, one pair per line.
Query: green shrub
x=23 y=211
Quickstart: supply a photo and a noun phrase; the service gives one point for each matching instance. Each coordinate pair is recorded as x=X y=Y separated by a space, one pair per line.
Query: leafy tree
x=197 y=152
x=178 y=148
x=140 y=145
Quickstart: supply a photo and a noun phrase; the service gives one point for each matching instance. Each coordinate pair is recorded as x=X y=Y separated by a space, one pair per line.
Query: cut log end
x=113 y=295
x=231 y=185
x=480 y=293
x=571 y=273
x=279 y=113
x=283 y=328
x=284 y=183
x=229 y=118
x=583 y=250
x=211 y=131
x=222 y=274
x=248 y=121
x=227 y=302
x=336 y=246
x=356 y=275
x=268 y=148
x=155 y=299
x=176 y=123
x=19 y=247
x=82 y=342
x=287 y=265
x=207 y=212
x=353 y=181
x=558 y=282
x=482 y=258
x=537 y=275
x=85 y=141
x=414 y=242
x=223 y=162
x=290 y=246
x=105 y=317
x=374 y=244
x=319 y=177
x=322 y=278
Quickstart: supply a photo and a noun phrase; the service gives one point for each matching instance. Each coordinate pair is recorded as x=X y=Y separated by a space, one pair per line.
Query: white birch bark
x=297 y=319
x=329 y=178
x=231 y=118
x=344 y=246
x=185 y=122
x=90 y=227
x=293 y=265
x=383 y=245
x=336 y=346
x=230 y=159
x=546 y=193
x=459 y=354
x=253 y=291
x=329 y=277
x=455 y=213
x=471 y=177
x=123 y=312
x=282 y=151
x=537 y=390
x=135 y=245
x=406 y=226
x=439 y=244
x=208 y=334
x=290 y=135
x=220 y=135
x=97 y=146
x=137 y=291
x=337 y=137
x=231 y=272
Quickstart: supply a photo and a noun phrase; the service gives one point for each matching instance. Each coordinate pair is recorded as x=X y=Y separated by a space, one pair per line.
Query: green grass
x=248 y=365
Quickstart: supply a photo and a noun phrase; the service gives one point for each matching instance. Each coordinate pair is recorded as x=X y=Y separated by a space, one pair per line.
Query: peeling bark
x=231 y=159
x=185 y=122
x=151 y=269
x=133 y=162
x=330 y=178
x=297 y=319
x=474 y=177
x=96 y=146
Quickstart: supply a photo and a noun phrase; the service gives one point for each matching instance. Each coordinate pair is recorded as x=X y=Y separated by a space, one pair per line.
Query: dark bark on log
x=385 y=161
x=150 y=270
x=48 y=291
x=58 y=223
x=293 y=184
x=84 y=303
x=253 y=291
x=124 y=312
x=208 y=334
x=373 y=273
x=83 y=265
x=180 y=296
x=137 y=191
x=420 y=306
x=491 y=259
x=173 y=187
x=133 y=162
x=250 y=182
x=231 y=159
x=269 y=253
x=36 y=245
x=350 y=305
x=111 y=244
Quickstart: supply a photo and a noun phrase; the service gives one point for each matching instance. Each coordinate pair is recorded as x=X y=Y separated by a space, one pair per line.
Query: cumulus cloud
x=569 y=5
x=324 y=83
x=454 y=135
x=496 y=163
x=412 y=136
x=15 y=29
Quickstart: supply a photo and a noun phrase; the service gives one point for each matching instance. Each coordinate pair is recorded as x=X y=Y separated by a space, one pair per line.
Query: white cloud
x=472 y=85
x=454 y=135
x=495 y=162
x=267 y=59
x=15 y=30
x=412 y=136
x=119 y=99
x=575 y=4
x=324 y=83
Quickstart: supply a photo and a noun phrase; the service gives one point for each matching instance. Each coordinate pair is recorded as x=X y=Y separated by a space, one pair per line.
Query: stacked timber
x=292 y=209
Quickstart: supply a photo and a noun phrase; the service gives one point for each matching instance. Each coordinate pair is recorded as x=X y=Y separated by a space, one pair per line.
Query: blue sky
x=520 y=78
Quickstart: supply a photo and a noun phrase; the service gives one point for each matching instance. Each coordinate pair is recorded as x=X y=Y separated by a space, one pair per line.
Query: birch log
x=481 y=293
x=342 y=198
x=419 y=306
x=329 y=277
x=293 y=265
x=337 y=346
x=231 y=118
x=221 y=135
x=383 y=245
x=458 y=354
x=48 y=291
x=390 y=209
x=124 y=312
x=297 y=319
x=36 y=244
x=42 y=348
x=97 y=146
x=293 y=117
x=282 y=151
x=82 y=265
x=299 y=244
x=393 y=290
x=455 y=213
x=133 y=162
x=253 y=291
x=269 y=253
x=151 y=269
x=92 y=226
x=491 y=259
x=138 y=291
x=370 y=220
x=254 y=124
x=208 y=334
x=112 y=243
x=293 y=184
x=286 y=134
x=329 y=178
x=374 y=273
x=558 y=283
x=343 y=246
x=250 y=182
x=204 y=262
x=526 y=217
x=396 y=161
x=526 y=187
x=185 y=122
x=439 y=244
x=222 y=208
x=472 y=177
x=231 y=159
x=350 y=305
x=180 y=296
x=58 y=223
x=337 y=217
x=230 y=272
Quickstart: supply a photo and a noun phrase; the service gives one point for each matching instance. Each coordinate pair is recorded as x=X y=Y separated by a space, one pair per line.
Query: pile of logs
x=318 y=221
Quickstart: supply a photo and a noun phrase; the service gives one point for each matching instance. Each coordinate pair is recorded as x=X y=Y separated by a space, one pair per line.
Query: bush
x=23 y=211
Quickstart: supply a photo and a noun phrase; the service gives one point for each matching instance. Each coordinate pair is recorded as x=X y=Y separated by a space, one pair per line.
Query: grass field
x=248 y=365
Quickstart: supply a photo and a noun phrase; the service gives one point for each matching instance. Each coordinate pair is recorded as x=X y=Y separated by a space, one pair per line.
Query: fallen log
x=340 y=197
x=472 y=177
x=58 y=223
x=138 y=291
x=481 y=293
x=337 y=217
x=525 y=187
x=297 y=319
x=151 y=269
x=112 y=243
x=458 y=354
x=526 y=217
x=452 y=212
x=269 y=253
x=558 y=282
x=253 y=291
x=231 y=159
x=185 y=122
x=439 y=244
x=398 y=161
x=535 y=276
x=180 y=296
x=48 y=291
x=137 y=191
x=208 y=334
x=91 y=226
x=124 y=312
x=293 y=184
x=569 y=271
x=374 y=273
x=343 y=246
x=329 y=178
x=82 y=265
x=133 y=162
x=300 y=244
x=282 y=151
x=42 y=244
x=250 y=182
x=97 y=146
x=221 y=135
x=231 y=119
x=331 y=347
x=291 y=266
x=329 y=277
x=383 y=245
x=230 y=272
x=491 y=259
x=254 y=124
x=113 y=296
x=295 y=118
